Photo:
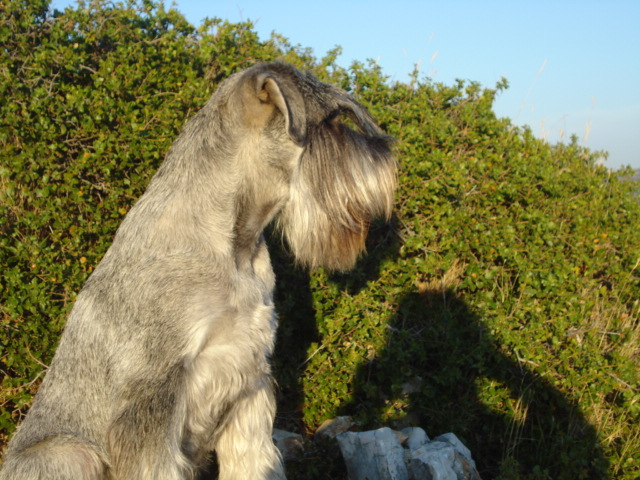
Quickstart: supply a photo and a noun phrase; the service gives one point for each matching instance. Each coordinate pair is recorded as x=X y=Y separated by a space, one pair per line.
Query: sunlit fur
x=165 y=355
x=345 y=179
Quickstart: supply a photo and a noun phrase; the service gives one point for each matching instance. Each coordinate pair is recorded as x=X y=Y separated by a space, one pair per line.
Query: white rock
x=417 y=437
x=291 y=445
x=465 y=469
x=455 y=442
x=401 y=436
x=433 y=461
x=373 y=455
x=334 y=427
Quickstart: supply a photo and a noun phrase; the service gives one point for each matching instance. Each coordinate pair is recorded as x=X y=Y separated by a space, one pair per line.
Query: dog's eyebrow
x=344 y=112
x=333 y=114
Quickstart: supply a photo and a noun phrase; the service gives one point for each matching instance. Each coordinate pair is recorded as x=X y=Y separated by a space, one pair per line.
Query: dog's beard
x=345 y=179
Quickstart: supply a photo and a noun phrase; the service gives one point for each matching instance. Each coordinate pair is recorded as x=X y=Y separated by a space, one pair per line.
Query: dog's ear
x=270 y=89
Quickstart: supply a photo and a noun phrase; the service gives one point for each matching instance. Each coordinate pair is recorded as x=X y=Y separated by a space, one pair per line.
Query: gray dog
x=165 y=356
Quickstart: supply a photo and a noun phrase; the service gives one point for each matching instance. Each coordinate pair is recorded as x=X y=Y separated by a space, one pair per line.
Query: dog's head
x=339 y=167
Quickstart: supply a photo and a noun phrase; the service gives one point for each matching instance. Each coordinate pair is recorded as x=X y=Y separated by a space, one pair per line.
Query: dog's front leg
x=245 y=447
x=145 y=437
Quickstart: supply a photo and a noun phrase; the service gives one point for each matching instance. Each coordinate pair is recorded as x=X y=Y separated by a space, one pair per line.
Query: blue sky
x=573 y=66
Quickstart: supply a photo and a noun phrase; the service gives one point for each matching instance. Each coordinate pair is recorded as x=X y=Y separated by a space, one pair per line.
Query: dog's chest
x=228 y=354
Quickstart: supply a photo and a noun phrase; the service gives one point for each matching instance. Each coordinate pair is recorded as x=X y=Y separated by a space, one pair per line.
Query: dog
x=165 y=354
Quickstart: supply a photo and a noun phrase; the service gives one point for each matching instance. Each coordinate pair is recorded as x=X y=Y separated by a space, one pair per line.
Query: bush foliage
x=501 y=303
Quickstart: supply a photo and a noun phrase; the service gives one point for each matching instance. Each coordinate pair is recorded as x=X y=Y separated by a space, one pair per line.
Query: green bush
x=501 y=303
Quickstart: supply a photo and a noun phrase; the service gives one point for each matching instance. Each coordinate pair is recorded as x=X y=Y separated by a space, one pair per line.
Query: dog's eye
x=333 y=116
x=344 y=117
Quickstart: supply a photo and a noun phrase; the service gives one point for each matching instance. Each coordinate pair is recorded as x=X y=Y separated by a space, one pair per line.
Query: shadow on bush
x=439 y=370
x=438 y=357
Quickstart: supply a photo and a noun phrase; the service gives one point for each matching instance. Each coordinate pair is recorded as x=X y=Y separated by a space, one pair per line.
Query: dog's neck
x=201 y=205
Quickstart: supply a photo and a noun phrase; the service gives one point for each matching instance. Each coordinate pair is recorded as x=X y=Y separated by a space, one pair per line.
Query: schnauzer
x=165 y=355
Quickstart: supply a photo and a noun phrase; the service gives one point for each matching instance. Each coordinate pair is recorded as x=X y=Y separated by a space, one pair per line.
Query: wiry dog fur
x=165 y=356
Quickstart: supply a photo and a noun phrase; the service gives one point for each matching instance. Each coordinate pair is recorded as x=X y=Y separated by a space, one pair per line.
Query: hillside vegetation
x=501 y=303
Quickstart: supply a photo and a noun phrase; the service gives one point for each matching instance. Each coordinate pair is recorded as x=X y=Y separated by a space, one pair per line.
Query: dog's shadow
x=444 y=363
x=297 y=325
x=296 y=331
